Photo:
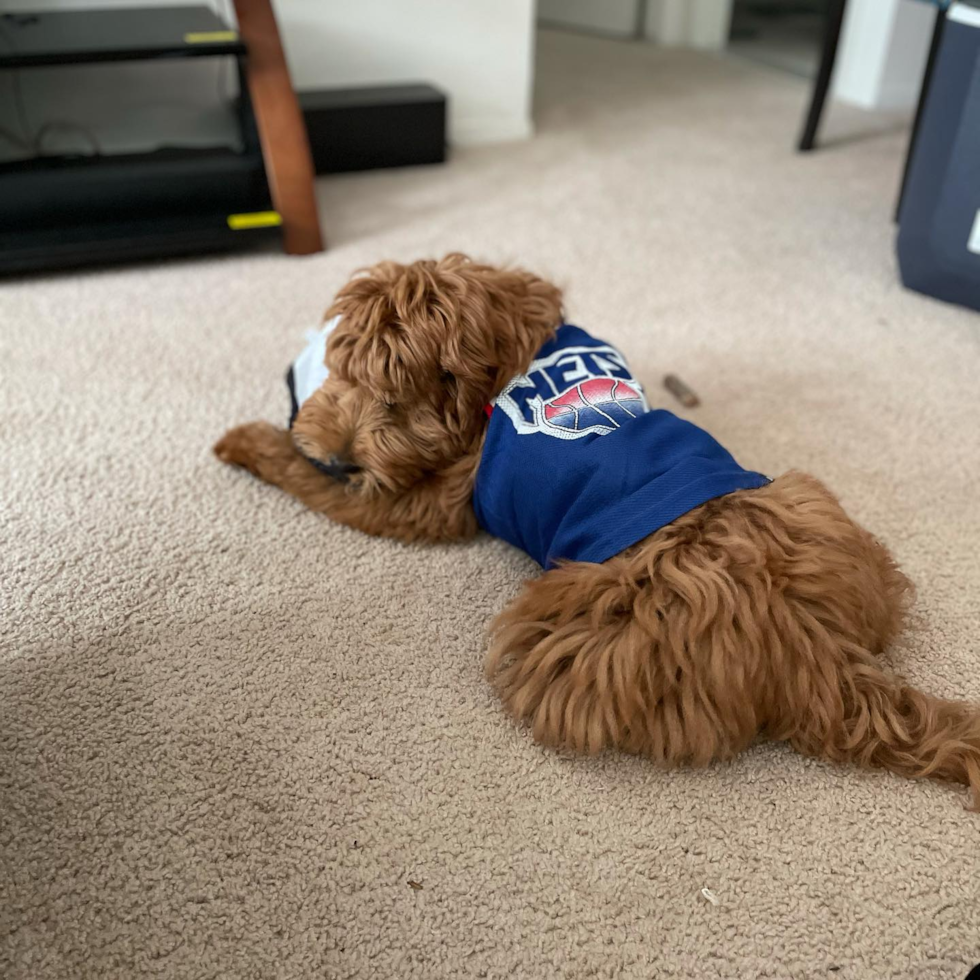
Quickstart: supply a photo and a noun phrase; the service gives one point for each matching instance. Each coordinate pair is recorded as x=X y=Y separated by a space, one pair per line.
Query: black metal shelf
x=56 y=192
x=126 y=241
x=68 y=210
x=74 y=37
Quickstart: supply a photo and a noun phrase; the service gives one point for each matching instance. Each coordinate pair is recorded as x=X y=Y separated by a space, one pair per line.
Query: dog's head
x=418 y=352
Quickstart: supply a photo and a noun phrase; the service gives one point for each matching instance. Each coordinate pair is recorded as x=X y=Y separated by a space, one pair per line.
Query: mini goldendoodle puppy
x=688 y=605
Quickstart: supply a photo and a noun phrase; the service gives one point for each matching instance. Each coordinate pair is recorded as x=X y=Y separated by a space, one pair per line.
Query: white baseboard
x=474 y=130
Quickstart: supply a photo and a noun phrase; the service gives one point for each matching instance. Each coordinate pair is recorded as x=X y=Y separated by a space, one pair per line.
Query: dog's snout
x=338 y=467
x=344 y=465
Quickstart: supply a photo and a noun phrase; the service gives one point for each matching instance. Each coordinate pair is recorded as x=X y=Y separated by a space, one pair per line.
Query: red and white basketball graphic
x=599 y=402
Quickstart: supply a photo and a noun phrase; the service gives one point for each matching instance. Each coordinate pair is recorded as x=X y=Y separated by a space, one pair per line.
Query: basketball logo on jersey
x=574 y=392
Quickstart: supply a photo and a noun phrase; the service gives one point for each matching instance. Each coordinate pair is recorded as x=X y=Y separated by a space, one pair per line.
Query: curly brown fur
x=759 y=613
x=418 y=353
x=755 y=613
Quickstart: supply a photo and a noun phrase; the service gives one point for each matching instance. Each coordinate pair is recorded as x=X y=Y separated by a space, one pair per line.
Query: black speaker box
x=383 y=126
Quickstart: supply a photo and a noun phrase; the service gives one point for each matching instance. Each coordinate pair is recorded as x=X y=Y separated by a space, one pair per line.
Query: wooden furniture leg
x=282 y=132
x=831 y=37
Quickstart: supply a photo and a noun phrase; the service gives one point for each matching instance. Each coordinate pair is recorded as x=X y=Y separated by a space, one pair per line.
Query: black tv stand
x=66 y=210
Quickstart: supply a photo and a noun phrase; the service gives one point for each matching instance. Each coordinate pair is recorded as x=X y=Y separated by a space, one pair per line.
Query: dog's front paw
x=254 y=446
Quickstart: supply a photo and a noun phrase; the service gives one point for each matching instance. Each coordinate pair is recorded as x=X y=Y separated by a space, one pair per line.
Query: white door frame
x=883 y=49
x=701 y=24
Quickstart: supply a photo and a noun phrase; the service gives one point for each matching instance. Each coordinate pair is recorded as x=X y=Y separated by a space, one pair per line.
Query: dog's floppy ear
x=502 y=319
x=378 y=309
x=538 y=315
x=451 y=326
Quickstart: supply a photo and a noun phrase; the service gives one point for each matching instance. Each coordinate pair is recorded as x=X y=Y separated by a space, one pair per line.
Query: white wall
x=882 y=54
x=907 y=55
x=478 y=51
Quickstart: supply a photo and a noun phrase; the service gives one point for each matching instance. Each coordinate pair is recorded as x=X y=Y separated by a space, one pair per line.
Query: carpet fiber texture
x=239 y=741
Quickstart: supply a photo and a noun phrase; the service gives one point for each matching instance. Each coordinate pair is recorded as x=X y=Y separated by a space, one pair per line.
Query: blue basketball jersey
x=576 y=466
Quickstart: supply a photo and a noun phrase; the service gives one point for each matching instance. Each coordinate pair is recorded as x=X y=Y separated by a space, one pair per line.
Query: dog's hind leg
x=683 y=672
x=602 y=656
x=757 y=614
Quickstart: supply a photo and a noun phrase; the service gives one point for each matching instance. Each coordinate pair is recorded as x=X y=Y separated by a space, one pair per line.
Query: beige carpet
x=237 y=741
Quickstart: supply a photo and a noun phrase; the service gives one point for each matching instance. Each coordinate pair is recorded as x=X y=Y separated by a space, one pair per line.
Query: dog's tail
x=871 y=717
